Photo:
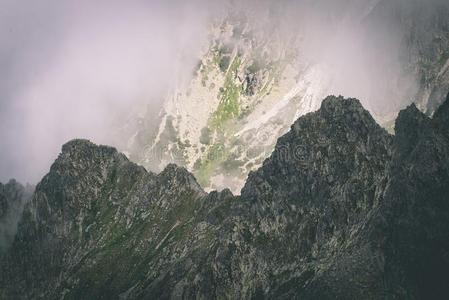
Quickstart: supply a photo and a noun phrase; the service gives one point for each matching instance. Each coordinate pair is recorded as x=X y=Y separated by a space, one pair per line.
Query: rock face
x=210 y=124
x=254 y=79
x=341 y=209
x=13 y=197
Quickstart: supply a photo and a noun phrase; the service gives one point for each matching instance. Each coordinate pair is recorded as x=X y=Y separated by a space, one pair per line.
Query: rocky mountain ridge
x=253 y=80
x=341 y=209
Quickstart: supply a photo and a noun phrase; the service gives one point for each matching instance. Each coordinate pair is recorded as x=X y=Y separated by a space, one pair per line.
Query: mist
x=76 y=68
x=79 y=69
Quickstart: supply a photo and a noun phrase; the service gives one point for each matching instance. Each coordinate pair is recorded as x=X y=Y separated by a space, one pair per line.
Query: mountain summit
x=341 y=209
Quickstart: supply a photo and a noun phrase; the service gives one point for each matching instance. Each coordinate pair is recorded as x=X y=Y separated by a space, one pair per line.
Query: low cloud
x=74 y=69
x=79 y=68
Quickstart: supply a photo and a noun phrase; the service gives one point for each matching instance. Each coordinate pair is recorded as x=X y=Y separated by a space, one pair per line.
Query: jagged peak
x=334 y=106
x=176 y=174
x=411 y=109
x=82 y=155
x=331 y=103
x=226 y=193
x=173 y=170
x=82 y=152
x=76 y=142
x=340 y=122
x=336 y=111
x=83 y=159
x=409 y=126
x=349 y=111
x=409 y=117
x=81 y=145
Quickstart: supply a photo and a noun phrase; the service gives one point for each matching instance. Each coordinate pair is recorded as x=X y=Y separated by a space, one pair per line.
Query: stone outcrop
x=341 y=209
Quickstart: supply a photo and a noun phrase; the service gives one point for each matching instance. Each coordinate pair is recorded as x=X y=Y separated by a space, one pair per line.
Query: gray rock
x=341 y=209
x=13 y=197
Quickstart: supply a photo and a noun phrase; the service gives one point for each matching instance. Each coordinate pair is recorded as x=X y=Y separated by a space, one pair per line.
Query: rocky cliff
x=341 y=209
x=262 y=67
x=13 y=197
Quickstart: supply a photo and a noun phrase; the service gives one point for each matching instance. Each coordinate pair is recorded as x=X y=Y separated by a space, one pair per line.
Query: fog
x=75 y=68
x=80 y=68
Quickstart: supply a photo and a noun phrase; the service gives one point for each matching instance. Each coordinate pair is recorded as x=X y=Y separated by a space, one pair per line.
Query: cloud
x=78 y=68
x=69 y=68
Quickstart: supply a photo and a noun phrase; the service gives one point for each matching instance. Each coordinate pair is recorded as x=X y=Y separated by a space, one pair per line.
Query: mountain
x=340 y=209
x=211 y=123
x=263 y=67
x=424 y=44
x=13 y=197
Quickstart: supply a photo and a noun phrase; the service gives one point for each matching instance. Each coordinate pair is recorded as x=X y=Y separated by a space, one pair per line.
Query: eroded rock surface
x=341 y=209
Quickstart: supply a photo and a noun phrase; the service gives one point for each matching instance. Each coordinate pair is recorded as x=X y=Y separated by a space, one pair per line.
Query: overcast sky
x=66 y=67
x=72 y=68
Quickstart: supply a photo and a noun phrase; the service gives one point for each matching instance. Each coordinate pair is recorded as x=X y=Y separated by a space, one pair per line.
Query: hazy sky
x=67 y=67
x=72 y=68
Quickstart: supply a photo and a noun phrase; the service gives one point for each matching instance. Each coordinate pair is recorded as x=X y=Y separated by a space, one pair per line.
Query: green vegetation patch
x=204 y=168
x=229 y=98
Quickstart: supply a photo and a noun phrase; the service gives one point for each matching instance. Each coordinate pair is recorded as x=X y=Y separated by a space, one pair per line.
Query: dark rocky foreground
x=341 y=210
